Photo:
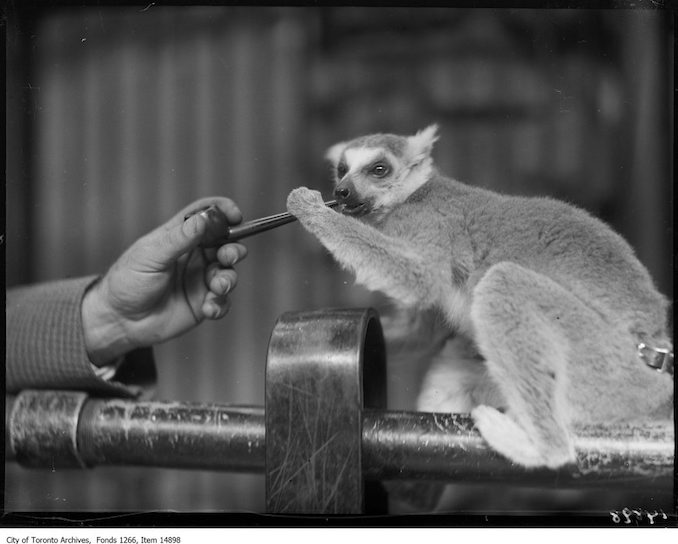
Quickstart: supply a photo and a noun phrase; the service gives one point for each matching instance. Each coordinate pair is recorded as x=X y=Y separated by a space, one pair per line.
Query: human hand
x=162 y=286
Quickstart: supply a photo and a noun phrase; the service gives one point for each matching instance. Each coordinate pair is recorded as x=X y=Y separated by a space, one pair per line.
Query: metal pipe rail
x=323 y=436
x=66 y=429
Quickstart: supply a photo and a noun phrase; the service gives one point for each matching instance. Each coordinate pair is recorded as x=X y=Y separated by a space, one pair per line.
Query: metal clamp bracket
x=660 y=359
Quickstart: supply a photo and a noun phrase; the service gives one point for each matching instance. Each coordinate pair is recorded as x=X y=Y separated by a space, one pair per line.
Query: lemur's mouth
x=360 y=208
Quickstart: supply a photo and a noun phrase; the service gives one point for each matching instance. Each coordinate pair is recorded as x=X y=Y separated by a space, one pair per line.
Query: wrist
x=105 y=337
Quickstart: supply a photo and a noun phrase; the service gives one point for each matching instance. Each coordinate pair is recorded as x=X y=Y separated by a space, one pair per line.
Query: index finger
x=177 y=236
x=226 y=205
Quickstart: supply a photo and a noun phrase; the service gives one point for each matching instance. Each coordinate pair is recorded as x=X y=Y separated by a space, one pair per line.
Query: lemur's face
x=365 y=178
x=376 y=173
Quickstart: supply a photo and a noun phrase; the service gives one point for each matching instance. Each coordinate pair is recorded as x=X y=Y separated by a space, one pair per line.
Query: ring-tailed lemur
x=549 y=304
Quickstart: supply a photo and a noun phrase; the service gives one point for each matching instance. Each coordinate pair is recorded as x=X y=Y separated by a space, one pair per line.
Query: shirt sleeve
x=45 y=345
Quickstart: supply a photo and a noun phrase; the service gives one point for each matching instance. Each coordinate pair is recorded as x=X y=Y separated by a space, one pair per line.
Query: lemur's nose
x=342 y=193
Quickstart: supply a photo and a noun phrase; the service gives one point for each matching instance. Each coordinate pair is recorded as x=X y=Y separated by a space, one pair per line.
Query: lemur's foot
x=509 y=439
x=302 y=201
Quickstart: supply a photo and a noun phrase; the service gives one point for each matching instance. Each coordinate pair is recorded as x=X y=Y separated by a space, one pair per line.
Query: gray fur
x=547 y=301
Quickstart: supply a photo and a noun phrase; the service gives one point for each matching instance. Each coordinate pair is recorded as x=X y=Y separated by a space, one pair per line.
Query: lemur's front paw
x=302 y=201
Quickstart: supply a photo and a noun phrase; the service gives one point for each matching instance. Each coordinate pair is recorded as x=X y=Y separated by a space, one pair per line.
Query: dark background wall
x=118 y=117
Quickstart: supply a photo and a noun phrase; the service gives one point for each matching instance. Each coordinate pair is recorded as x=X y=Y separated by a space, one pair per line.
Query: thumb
x=166 y=244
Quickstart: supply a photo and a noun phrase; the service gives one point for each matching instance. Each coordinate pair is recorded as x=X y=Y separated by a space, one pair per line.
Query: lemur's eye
x=341 y=170
x=380 y=170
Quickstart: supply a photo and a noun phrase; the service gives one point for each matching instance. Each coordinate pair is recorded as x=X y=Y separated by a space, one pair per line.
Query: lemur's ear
x=421 y=144
x=333 y=154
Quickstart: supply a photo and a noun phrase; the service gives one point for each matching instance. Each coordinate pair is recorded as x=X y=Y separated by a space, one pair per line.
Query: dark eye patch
x=342 y=169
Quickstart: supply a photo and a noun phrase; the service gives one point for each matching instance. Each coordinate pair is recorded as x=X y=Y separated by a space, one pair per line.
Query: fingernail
x=225 y=285
x=232 y=255
x=214 y=311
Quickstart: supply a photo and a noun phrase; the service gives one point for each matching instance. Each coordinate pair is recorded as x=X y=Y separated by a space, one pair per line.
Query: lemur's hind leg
x=524 y=324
